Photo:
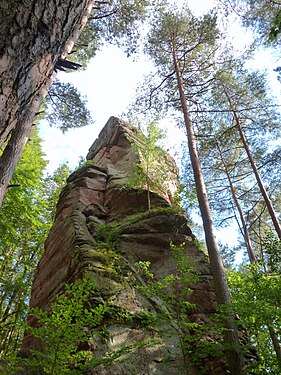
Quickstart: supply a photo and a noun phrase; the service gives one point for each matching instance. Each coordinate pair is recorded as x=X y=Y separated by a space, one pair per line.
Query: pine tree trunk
x=276 y=345
x=233 y=353
x=252 y=258
x=34 y=34
x=272 y=333
x=263 y=191
x=245 y=233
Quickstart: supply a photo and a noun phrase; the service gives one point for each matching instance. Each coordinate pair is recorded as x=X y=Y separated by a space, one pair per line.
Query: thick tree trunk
x=34 y=34
x=234 y=356
x=263 y=191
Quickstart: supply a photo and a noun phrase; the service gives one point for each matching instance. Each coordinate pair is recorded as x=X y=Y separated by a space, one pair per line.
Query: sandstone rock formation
x=96 y=196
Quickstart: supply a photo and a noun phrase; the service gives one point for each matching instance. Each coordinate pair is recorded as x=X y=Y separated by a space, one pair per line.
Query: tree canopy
x=25 y=217
x=233 y=164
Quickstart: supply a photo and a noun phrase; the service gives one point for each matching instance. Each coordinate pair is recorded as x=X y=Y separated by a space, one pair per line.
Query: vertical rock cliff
x=97 y=204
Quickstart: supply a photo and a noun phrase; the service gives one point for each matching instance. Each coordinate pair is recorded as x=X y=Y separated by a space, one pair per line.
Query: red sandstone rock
x=95 y=195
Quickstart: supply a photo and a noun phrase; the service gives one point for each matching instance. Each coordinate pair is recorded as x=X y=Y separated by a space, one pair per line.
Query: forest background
x=112 y=93
x=29 y=206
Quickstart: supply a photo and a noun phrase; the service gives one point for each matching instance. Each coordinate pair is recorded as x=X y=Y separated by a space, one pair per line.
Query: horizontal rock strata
x=96 y=197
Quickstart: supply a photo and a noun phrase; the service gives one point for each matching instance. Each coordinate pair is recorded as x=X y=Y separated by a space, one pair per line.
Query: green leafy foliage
x=184 y=50
x=223 y=156
x=262 y=16
x=272 y=253
x=53 y=185
x=67 y=326
x=66 y=107
x=25 y=220
x=116 y=22
x=107 y=236
x=64 y=330
x=195 y=42
x=275 y=26
x=153 y=166
x=199 y=342
x=60 y=332
x=30 y=205
x=256 y=299
x=23 y=229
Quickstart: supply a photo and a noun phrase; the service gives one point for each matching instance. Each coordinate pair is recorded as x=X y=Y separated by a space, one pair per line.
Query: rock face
x=96 y=197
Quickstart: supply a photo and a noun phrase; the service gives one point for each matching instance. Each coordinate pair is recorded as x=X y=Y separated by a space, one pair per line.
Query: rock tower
x=97 y=196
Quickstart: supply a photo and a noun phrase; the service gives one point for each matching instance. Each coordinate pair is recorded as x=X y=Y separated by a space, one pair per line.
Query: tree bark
x=252 y=258
x=272 y=333
x=263 y=191
x=233 y=353
x=276 y=345
x=34 y=34
x=245 y=233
